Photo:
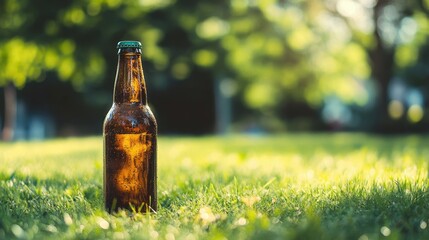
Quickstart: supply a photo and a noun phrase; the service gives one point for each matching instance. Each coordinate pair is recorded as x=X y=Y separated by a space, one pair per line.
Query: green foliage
x=20 y=60
x=276 y=51
x=306 y=186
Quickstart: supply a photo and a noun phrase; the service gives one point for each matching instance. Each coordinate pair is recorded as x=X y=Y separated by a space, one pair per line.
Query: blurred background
x=219 y=66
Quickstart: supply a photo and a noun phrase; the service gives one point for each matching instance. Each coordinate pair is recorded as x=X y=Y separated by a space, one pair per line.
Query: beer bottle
x=130 y=134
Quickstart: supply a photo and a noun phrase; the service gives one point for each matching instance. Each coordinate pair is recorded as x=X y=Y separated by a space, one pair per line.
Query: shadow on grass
x=398 y=209
x=27 y=201
x=350 y=210
x=395 y=209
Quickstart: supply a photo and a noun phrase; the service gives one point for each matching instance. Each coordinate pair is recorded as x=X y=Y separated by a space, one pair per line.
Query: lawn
x=296 y=186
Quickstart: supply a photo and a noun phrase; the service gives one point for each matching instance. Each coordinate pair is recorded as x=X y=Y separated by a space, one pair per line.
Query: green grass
x=298 y=186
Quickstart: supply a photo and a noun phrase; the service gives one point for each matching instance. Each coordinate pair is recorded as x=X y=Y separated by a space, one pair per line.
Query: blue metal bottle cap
x=129 y=44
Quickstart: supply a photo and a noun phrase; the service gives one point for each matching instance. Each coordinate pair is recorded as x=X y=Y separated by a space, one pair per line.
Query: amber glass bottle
x=130 y=132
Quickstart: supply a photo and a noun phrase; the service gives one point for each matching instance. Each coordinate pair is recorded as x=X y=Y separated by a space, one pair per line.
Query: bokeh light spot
x=205 y=58
x=180 y=70
x=396 y=109
x=260 y=95
x=415 y=113
x=385 y=231
x=423 y=224
x=212 y=28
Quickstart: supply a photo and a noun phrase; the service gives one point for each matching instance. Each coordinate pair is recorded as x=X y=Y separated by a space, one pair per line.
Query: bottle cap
x=129 y=44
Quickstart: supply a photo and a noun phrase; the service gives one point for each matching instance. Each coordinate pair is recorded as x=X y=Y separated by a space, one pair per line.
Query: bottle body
x=130 y=142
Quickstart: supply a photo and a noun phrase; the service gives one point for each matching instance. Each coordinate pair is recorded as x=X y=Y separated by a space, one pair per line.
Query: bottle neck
x=130 y=86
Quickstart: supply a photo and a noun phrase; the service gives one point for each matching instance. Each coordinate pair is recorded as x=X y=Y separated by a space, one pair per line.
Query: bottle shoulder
x=129 y=118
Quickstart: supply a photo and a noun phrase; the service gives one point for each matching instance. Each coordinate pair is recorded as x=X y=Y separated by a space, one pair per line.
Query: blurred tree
x=55 y=36
x=271 y=52
x=307 y=50
x=391 y=32
x=265 y=54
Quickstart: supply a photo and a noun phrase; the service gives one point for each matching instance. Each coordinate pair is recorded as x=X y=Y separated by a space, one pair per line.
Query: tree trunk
x=382 y=70
x=222 y=107
x=10 y=112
